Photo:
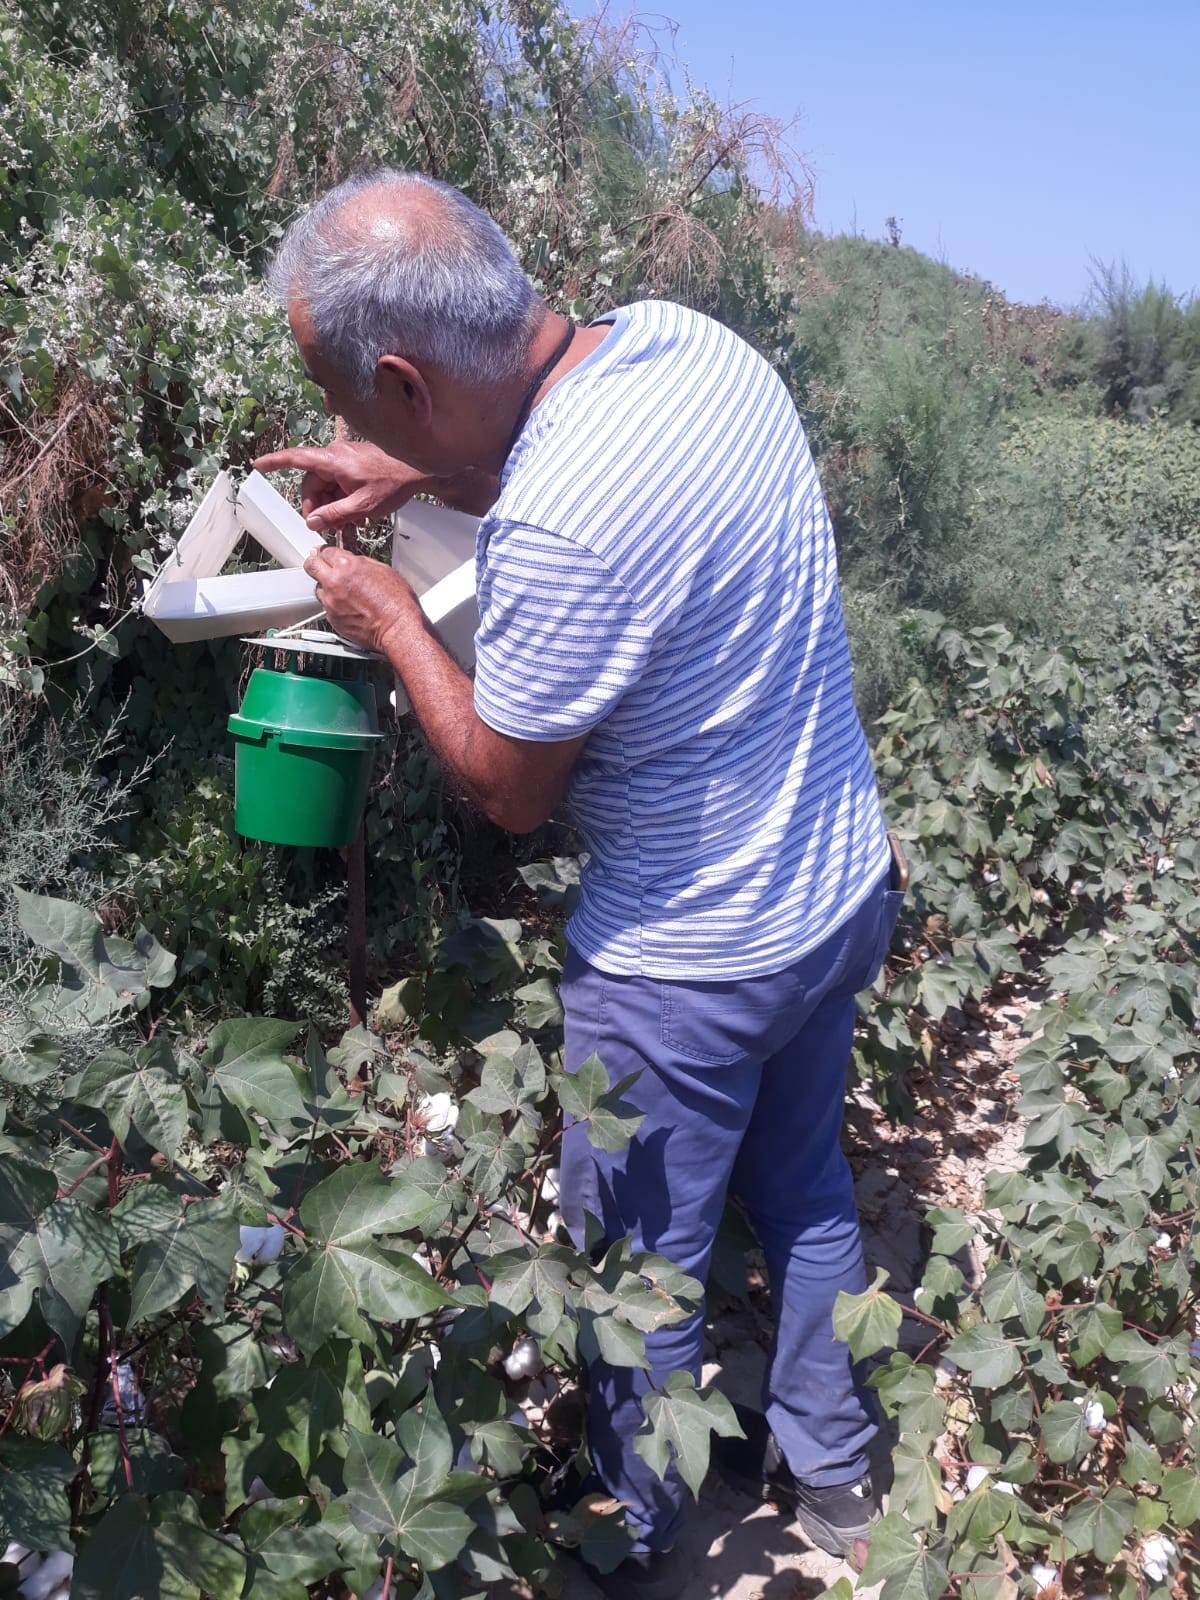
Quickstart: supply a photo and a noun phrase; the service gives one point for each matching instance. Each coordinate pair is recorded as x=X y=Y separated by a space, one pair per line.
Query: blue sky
x=1017 y=141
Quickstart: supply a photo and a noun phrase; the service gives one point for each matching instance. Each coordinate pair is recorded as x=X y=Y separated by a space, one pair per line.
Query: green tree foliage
x=1147 y=344
x=149 y=157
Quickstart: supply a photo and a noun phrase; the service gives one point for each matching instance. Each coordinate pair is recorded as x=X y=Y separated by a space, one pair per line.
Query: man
x=661 y=641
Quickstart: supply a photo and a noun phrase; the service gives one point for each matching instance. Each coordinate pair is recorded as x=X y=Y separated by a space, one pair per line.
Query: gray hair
x=450 y=292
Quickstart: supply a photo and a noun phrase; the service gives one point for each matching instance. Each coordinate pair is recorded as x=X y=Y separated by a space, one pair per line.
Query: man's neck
x=503 y=407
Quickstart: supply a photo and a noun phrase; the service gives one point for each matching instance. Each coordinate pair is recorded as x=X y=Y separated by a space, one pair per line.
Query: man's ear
x=403 y=389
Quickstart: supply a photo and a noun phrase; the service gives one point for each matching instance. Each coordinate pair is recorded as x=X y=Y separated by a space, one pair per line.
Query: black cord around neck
x=543 y=372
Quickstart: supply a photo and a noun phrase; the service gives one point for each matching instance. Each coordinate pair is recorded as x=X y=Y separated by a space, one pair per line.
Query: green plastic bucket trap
x=304 y=746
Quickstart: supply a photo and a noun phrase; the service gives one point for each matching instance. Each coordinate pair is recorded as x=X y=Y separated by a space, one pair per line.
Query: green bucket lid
x=333 y=713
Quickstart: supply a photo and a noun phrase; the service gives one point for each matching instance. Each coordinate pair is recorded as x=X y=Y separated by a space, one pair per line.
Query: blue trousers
x=743 y=1088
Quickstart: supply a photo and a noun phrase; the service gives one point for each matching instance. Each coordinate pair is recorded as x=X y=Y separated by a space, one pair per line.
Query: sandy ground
x=740 y=1549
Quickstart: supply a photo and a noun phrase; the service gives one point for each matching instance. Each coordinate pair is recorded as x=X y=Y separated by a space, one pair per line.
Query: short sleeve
x=561 y=640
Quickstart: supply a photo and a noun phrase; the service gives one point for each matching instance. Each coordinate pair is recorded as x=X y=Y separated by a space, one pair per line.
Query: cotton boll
x=1157 y=1555
x=976 y=1476
x=554 y=1222
x=54 y=1571
x=525 y=1359
x=550 y=1185
x=1093 y=1416
x=944 y=1373
x=438 y=1113
x=1043 y=1576
x=1163 y=1242
x=261 y=1245
x=1002 y=1486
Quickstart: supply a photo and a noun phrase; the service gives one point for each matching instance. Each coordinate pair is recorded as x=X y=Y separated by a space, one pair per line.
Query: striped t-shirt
x=659 y=571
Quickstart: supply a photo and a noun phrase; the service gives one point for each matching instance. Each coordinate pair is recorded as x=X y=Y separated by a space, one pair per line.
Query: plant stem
x=114 y=1379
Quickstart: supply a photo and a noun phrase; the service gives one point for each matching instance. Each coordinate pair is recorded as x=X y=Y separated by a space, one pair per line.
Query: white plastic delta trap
x=435 y=550
x=190 y=598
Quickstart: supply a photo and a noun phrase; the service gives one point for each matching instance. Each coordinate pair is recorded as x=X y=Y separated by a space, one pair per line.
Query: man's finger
x=356 y=507
x=300 y=457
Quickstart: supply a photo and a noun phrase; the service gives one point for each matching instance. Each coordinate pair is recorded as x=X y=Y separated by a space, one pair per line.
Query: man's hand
x=348 y=482
x=351 y=482
x=362 y=598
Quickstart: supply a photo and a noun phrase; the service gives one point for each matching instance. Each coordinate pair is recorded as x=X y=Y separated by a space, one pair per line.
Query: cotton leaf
x=678 y=1420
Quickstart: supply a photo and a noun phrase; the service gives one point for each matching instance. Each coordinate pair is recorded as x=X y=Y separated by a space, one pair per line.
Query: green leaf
x=586 y=1096
x=1181 y=1485
x=382 y=1499
x=1065 y=1431
x=540 y=1005
x=1153 y=1367
x=500 y=1445
x=510 y=1083
x=160 y=1548
x=344 y=1272
x=990 y=1357
x=1142 y=1462
x=31 y=1060
x=142 y=1091
x=33 y=1494
x=952 y=1231
x=606 y=1337
x=373 y=1476
x=69 y=1251
x=359 y=1201
x=425 y=1439
x=154 y=1468
x=1101 y=1525
x=25 y=1192
x=305 y=1409
x=910 y=1392
x=976 y=1520
x=1011 y=1291
x=918 y=1481
x=246 y=1061
x=906 y=1567
x=869 y=1321
x=434 y=1532
x=678 y=1420
x=105 y=976
x=235 y=1358
x=535 y=1281
x=195 y=1251
x=1145 y=994
x=492 y=1158
x=1092 y=1331
x=289 y=1560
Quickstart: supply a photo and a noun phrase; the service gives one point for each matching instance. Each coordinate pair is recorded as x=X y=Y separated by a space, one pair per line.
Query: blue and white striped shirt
x=659 y=569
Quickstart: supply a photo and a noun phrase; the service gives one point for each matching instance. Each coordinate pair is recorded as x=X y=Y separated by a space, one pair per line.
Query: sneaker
x=832 y=1517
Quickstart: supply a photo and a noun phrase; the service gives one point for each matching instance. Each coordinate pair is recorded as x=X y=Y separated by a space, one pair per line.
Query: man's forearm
x=442 y=701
